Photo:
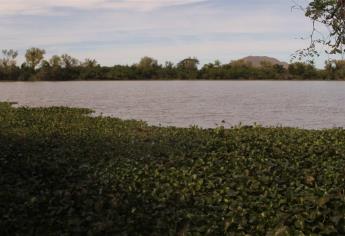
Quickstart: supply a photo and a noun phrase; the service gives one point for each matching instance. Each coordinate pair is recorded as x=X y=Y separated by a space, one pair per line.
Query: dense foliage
x=330 y=13
x=66 y=173
x=65 y=67
x=328 y=17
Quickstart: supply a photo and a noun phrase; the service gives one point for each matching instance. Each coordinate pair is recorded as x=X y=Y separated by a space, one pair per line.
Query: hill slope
x=256 y=60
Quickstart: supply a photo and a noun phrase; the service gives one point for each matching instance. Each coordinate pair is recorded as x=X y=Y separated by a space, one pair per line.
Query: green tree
x=300 y=70
x=213 y=71
x=188 y=68
x=9 y=58
x=217 y=63
x=168 y=71
x=55 y=61
x=169 y=65
x=189 y=64
x=147 y=62
x=89 y=63
x=241 y=69
x=8 y=68
x=34 y=56
x=335 y=69
x=331 y=14
x=69 y=61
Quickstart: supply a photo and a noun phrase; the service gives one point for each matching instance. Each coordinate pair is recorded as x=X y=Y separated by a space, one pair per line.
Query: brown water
x=305 y=104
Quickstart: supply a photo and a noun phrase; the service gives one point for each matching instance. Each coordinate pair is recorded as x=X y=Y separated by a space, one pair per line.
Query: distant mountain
x=256 y=61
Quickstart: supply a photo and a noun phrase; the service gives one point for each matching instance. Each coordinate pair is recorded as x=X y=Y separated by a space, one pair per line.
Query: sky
x=123 y=31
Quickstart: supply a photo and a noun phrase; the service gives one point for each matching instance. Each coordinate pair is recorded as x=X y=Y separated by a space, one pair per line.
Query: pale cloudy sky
x=122 y=31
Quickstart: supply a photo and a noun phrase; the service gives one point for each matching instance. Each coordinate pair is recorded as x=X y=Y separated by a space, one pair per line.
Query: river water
x=304 y=104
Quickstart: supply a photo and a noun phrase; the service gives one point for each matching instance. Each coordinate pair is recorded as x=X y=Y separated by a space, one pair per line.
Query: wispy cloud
x=44 y=6
x=121 y=31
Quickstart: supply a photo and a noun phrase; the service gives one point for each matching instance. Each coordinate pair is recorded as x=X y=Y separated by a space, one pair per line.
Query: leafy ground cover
x=63 y=172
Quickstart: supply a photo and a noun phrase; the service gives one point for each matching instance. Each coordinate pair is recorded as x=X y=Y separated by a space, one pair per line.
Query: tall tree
x=68 y=61
x=9 y=58
x=89 y=63
x=335 y=69
x=188 y=68
x=169 y=65
x=189 y=64
x=34 y=56
x=147 y=62
x=55 y=61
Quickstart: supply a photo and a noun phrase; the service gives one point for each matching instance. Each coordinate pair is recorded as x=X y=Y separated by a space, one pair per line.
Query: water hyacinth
x=66 y=173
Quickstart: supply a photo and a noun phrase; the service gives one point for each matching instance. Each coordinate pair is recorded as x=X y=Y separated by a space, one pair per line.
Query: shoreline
x=94 y=114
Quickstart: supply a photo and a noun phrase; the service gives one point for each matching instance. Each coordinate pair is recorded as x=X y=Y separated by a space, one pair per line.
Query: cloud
x=122 y=31
x=10 y=7
x=206 y=51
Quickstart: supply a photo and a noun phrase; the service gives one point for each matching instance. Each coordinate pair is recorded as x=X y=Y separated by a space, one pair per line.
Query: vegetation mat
x=63 y=172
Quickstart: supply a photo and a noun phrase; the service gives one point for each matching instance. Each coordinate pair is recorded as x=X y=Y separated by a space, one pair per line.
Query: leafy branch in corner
x=331 y=15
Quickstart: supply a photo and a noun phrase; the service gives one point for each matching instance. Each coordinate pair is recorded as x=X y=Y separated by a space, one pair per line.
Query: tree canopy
x=34 y=56
x=66 y=67
x=331 y=15
x=9 y=57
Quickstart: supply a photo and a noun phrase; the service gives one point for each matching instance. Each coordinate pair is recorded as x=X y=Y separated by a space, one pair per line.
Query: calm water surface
x=305 y=104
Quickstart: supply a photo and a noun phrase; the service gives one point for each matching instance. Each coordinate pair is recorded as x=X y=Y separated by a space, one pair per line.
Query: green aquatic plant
x=66 y=173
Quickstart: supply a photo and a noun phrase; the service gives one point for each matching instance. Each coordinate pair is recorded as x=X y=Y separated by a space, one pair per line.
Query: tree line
x=65 y=67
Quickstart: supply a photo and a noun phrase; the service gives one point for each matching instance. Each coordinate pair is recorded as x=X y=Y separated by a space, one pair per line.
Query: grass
x=63 y=172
